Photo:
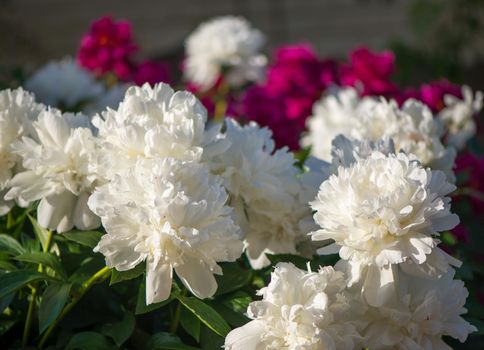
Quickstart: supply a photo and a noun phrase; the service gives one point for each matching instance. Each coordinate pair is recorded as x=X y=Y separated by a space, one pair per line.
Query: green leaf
x=41 y=233
x=206 y=314
x=190 y=323
x=45 y=259
x=120 y=331
x=210 y=340
x=233 y=278
x=142 y=308
x=53 y=300
x=86 y=238
x=167 y=341
x=13 y=281
x=89 y=341
x=119 y=276
x=11 y=245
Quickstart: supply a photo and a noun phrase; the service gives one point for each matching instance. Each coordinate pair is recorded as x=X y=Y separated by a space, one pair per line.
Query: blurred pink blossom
x=152 y=72
x=108 y=47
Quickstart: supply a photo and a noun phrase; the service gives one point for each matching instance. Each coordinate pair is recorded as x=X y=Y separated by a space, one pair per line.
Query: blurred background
x=431 y=38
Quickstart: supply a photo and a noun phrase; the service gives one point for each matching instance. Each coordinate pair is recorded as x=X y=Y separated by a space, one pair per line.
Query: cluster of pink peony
x=109 y=47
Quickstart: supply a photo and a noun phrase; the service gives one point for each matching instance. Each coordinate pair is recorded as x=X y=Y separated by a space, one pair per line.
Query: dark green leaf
x=86 y=238
x=45 y=259
x=142 y=308
x=190 y=323
x=5 y=301
x=209 y=340
x=53 y=300
x=41 y=233
x=11 y=245
x=89 y=341
x=119 y=276
x=206 y=314
x=120 y=331
x=233 y=278
x=12 y=281
x=167 y=341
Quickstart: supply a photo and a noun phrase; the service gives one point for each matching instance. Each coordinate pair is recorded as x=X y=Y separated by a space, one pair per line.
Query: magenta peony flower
x=294 y=82
x=152 y=72
x=432 y=94
x=370 y=71
x=108 y=47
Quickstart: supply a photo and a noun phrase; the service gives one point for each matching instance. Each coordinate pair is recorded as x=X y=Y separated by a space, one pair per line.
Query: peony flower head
x=108 y=47
x=458 y=116
x=153 y=122
x=295 y=81
x=263 y=189
x=370 y=71
x=299 y=310
x=428 y=310
x=384 y=210
x=412 y=127
x=58 y=171
x=18 y=110
x=73 y=84
x=171 y=215
x=333 y=114
x=151 y=72
x=432 y=94
x=224 y=43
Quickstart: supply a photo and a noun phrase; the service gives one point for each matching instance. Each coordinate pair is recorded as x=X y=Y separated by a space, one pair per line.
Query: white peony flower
x=154 y=123
x=172 y=215
x=18 y=110
x=382 y=211
x=224 y=43
x=333 y=114
x=58 y=171
x=264 y=190
x=427 y=310
x=64 y=84
x=412 y=128
x=299 y=310
x=458 y=116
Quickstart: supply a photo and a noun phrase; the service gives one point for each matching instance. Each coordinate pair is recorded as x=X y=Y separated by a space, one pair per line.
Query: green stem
x=99 y=276
x=33 y=299
x=221 y=104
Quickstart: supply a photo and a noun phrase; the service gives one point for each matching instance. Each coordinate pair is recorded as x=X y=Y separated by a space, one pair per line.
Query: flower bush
x=297 y=202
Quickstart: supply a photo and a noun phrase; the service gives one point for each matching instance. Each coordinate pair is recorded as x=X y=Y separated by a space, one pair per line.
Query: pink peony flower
x=108 y=47
x=432 y=94
x=370 y=71
x=152 y=72
x=294 y=82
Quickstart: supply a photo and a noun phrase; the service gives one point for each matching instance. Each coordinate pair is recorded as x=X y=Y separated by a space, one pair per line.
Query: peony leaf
x=120 y=331
x=45 y=259
x=190 y=323
x=206 y=314
x=13 y=281
x=41 y=233
x=53 y=300
x=86 y=238
x=89 y=341
x=119 y=276
x=10 y=245
x=233 y=278
x=167 y=341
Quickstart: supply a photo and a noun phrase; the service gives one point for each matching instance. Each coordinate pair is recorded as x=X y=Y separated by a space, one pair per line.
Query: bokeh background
x=431 y=38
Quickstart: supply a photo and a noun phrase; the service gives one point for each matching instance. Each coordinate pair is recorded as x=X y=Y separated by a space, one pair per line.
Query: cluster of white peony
x=224 y=43
x=412 y=126
x=393 y=287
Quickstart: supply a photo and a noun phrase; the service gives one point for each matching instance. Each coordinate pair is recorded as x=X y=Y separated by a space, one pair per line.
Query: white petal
x=84 y=218
x=158 y=282
x=247 y=337
x=197 y=277
x=55 y=211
